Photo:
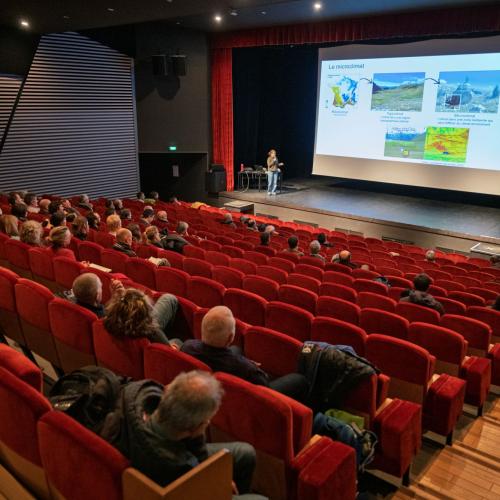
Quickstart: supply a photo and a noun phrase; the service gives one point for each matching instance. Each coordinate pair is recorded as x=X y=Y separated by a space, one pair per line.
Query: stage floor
x=313 y=195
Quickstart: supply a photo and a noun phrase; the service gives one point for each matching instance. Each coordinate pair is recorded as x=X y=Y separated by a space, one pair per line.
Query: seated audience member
x=166 y=438
x=9 y=226
x=141 y=196
x=13 y=198
x=70 y=217
x=19 y=210
x=182 y=228
x=228 y=220
x=323 y=241
x=135 y=229
x=495 y=260
x=419 y=296
x=148 y=217
x=152 y=198
x=109 y=204
x=293 y=246
x=152 y=237
x=176 y=242
x=85 y=202
x=162 y=222
x=124 y=242
x=56 y=206
x=265 y=239
x=215 y=349
x=113 y=224
x=496 y=305
x=162 y=216
x=344 y=258
x=269 y=228
x=174 y=200
x=430 y=256
x=59 y=238
x=80 y=228
x=131 y=313
x=315 y=249
x=108 y=212
x=31 y=202
x=44 y=206
x=118 y=204
x=244 y=220
x=31 y=233
x=94 y=220
x=252 y=225
x=125 y=214
x=57 y=219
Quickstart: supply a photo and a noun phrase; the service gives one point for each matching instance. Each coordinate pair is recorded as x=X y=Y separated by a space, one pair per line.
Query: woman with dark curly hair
x=131 y=313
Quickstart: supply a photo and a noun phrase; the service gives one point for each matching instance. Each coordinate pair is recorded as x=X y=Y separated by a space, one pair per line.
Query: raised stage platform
x=433 y=223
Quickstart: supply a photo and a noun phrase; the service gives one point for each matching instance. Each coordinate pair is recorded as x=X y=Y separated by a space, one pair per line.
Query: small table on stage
x=255 y=179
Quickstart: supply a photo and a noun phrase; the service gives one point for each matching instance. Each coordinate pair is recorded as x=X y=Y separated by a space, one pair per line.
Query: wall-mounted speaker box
x=160 y=65
x=217 y=167
x=215 y=182
x=179 y=64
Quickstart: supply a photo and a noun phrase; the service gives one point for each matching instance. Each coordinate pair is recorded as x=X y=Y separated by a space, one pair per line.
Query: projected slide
x=439 y=110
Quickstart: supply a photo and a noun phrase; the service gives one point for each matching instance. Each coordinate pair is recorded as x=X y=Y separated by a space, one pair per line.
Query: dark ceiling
x=70 y=15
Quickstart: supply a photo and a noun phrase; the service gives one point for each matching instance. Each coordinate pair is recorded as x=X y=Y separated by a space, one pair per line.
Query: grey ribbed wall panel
x=9 y=88
x=74 y=128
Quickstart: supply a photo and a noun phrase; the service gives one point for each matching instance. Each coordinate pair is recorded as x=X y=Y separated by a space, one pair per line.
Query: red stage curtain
x=458 y=21
x=222 y=111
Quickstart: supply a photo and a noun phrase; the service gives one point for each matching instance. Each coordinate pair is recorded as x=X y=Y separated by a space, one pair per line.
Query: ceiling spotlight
x=218 y=18
x=65 y=17
x=110 y=9
x=233 y=12
x=24 y=24
x=263 y=12
x=317 y=5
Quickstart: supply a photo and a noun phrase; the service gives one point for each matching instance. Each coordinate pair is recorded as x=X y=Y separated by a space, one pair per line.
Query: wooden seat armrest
x=383 y=406
x=433 y=379
x=208 y=480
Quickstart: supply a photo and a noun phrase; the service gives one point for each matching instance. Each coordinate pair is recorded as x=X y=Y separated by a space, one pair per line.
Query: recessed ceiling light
x=263 y=12
x=317 y=6
x=218 y=18
x=233 y=12
x=110 y=9
x=178 y=22
x=65 y=17
x=24 y=23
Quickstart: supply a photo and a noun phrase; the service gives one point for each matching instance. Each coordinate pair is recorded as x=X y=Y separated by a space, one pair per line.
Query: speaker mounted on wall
x=160 y=65
x=179 y=64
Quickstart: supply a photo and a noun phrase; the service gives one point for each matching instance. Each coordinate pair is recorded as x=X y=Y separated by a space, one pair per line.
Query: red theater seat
x=227 y=276
x=334 y=307
x=335 y=331
x=451 y=306
x=309 y=270
x=16 y=252
x=265 y=287
x=42 y=268
x=114 y=260
x=399 y=282
x=450 y=286
x=377 y=301
x=299 y=297
x=142 y=271
x=338 y=291
x=244 y=266
x=246 y=306
x=415 y=312
x=303 y=281
x=9 y=318
x=193 y=251
x=364 y=285
x=281 y=263
x=338 y=278
x=289 y=319
x=312 y=261
x=217 y=258
x=171 y=280
x=274 y=273
x=90 y=252
x=19 y=365
x=66 y=270
x=466 y=298
x=197 y=267
x=386 y=323
x=205 y=292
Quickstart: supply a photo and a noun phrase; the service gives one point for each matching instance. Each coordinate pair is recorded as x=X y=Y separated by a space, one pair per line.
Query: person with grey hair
x=315 y=249
x=84 y=202
x=166 y=431
x=216 y=350
x=124 y=242
x=228 y=220
x=430 y=256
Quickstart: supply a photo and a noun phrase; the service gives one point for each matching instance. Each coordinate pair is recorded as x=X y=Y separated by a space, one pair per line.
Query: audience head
x=430 y=255
x=94 y=219
x=80 y=226
x=135 y=230
x=218 y=327
x=84 y=198
x=188 y=404
x=269 y=229
x=113 y=223
x=265 y=238
x=162 y=216
x=495 y=260
x=314 y=247
x=44 y=205
x=244 y=219
x=422 y=282
x=109 y=204
x=182 y=227
x=130 y=314
x=496 y=304
x=228 y=217
x=87 y=289
x=31 y=233
x=293 y=242
x=108 y=212
x=70 y=217
x=345 y=257
x=141 y=196
x=124 y=235
x=322 y=238
x=151 y=235
x=67 y=204
x=19 y=210
x=173 y=199
x=55 y=206
x=154 y=195
x=252 y=224
x=125 y=214
x=14 y=197
x=31 y=200
x=58 y=219
x=148 y=215
x=8 y=225
x=118 y=204
x=59 y=237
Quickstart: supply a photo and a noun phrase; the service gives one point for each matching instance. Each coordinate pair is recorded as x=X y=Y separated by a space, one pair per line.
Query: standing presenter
x=273 y=171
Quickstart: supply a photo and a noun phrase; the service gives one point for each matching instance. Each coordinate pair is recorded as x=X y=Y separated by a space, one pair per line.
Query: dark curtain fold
x=457 y=21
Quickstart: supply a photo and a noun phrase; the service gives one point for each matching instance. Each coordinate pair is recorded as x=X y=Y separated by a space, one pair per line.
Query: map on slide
x=344 y=90
x=446 y=144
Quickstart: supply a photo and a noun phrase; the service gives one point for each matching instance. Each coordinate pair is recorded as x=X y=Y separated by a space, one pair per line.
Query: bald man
x=216 y=350
x=124 y=242
x=344 y=258
x=430 y=256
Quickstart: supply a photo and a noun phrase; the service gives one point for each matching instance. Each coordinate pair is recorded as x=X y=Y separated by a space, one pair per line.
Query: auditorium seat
x=269 y=251
x=228 y=276
x=171 y=280
x=223 y=240
x=438 y=274
x=437 y=290
x=411 y=370
x=339 y=291
x=395 y=292
x=257 y=258
x=475 y=332
x=193 y=251
x=19 y=365
x=142 y=271
x=450 y=349
x=340 y=268
x=42 y=268
x=468 y=299
x=176 y=259
x=304 y=281
x=482 y=276
x=71 y=327
x=389 y=272
x=69 y=451
x=377 y=301
x=244 y=266
x=334 y=307
x=33 y=301
x=487 y=295
x=114 y=260
x=16 y=253
x=288 y=319
x=450 y=285
x=312 y=261
x=493 y=285
x=364 y=274
x=209 y=245
x=366 y=285
x=205 y=292
x=309 y=270
x=335 y=331
x=246 y=306
x=233 y=251
x=415 y=312
x=20 y=408
x=488 y=316
x=338 y=278
x=410 y=268
x=90 y=252
x=292 y=257
x=399 y=282
x=386 y=323
x=451 y=306
x=197 y=267
x=274 y=273
x=299 y=297
x=66 y=270
x=217 y=258
x=467 y=281
x=3 y=257
x=163 y=363
x=265 y=287
x=10 y=323
x=120 y=355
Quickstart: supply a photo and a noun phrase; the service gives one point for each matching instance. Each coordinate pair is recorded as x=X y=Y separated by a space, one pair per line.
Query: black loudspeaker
x=215 y=182
x=217 y=167
x=179 y=64
x=160 y=65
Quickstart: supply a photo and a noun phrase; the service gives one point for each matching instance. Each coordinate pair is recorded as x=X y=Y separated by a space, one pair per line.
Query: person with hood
x=419 y=295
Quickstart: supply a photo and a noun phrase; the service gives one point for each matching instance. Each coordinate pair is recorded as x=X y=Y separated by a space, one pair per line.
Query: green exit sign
x=172 y=148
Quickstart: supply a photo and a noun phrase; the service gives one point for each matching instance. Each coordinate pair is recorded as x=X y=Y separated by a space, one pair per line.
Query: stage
x=433 y=223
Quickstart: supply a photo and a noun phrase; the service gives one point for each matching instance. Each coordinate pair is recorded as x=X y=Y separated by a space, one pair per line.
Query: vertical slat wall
x=74 y=128
x=9 y=87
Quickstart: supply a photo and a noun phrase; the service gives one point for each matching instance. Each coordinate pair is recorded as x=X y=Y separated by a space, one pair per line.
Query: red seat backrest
x=244 y=265
x=197 y=267
x=257 y=258
x=469 y=299
x=308 y=270
x=16 y=253
x=289 y=319
x=217 y=258
x=334 y=307
x=142 y=271
x=33 y=301
x=66 y=270
x=205 y=292
x=299 y=297
x=477 y=333
x=171 y=280
x=338 y=291
x=114 y=260
x=19 y=365
x=282 y=263
x=246 y=306
x=274 y=273
x=338 y=278
x=386 y=323
x=90 y=252
x=304 y=281
x=488 y=316
x=416 y=312
x=335 y=331
x=228 y=276
x=366 y=285
x=260 y=285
